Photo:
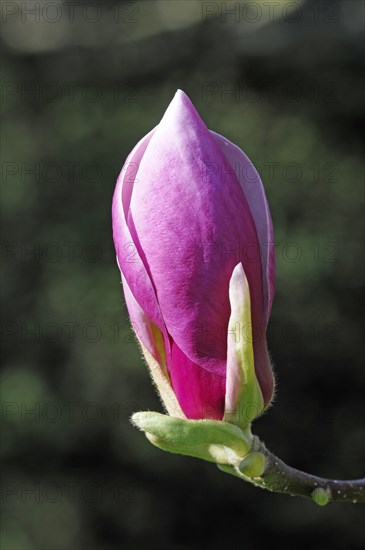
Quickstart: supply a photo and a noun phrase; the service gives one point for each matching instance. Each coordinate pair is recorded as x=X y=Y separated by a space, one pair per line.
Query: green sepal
x=211 y=440
x=244 y=399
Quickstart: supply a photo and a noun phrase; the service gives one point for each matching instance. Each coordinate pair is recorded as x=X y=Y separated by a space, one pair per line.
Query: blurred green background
x=82 y=82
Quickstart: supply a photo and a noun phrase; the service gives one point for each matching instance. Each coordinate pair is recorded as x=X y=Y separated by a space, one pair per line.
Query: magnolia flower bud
x=194 y=243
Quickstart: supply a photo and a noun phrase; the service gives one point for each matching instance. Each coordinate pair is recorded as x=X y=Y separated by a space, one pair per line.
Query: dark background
x=81 y=84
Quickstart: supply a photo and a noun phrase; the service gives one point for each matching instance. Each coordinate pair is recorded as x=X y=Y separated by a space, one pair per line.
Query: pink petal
x=129 y=260
x=200 y=393
x=140 y=323
x=255 y=194
x=187 y=218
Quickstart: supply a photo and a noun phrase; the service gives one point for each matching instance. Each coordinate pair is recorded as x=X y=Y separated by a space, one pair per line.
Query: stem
x=239 y=453
x=278 y=477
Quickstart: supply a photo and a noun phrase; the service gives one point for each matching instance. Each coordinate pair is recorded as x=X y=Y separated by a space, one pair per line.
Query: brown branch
x=278 y=477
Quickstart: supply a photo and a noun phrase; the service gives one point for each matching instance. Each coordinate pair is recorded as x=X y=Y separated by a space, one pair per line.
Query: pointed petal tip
x=181 y=96
x=181 y=108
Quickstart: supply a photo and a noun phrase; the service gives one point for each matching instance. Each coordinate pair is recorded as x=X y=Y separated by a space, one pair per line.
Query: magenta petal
x=200 y=393
x=255 y=194
x=193 y=227
x=129 y=261
x=140 y=323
